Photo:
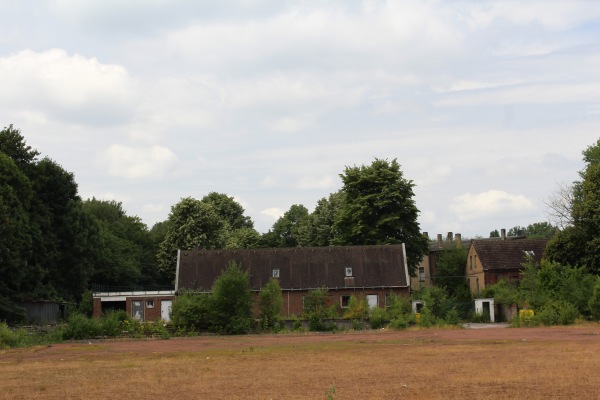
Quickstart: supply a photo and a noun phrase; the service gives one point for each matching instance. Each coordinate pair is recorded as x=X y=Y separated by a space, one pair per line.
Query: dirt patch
x=533 y=363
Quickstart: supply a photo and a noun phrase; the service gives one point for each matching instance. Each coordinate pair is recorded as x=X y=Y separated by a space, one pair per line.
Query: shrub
x=81 y=327
x=191 y=311
x=558 y=312
x=398 y=306
x=8 y=338
x=113 y=323
x=357 y=308
x=270 y=303
x=401 y=322
x=594 y=301
x=452 y=317
x=378 y=318
x=231 y=302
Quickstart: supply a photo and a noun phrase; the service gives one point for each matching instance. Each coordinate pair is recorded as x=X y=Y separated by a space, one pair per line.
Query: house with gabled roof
x=493 y=259
x=372 y=272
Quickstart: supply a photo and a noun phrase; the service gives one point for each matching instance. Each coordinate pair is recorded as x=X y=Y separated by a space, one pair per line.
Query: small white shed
x=485 y=307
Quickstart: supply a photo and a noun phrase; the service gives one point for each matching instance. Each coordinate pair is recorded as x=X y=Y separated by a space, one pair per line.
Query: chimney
x=503 y=234
x=458 y=240
x=439 y=240
x=449 y=237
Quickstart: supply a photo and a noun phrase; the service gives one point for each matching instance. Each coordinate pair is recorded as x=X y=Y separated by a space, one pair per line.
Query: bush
x=558 y=312
x=8 y=338
x=378 y=318
x=398 y=306
x=401 y=322
x=231 y=302
x=270 y=303
x=452 y=317
x=357 y=308
x=81 y=327
x=191 y=311
x=113 y=323
x=594 y=301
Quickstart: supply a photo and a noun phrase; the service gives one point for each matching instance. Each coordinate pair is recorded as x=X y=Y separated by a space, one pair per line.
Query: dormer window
x=348 y=271
x=276 y=273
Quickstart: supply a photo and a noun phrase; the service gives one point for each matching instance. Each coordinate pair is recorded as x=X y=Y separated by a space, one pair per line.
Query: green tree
x=270 y=304
x=285 y=230
x=63 y=232
x=317 y=228
x=15 y=238
x=535 y=230
x=231 y=302
x=126 y=249
x=379 y=208
x=192 y=223
x=230 y=211
x=594 y=301
x=12 y=143
x=450 y=271
x=191 y=311
x=579 y=244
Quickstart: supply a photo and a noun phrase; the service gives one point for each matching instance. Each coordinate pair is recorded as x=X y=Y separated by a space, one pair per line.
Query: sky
x=486 y=105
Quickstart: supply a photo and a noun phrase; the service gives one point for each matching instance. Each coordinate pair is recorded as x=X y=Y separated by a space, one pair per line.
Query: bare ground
x=528 y=363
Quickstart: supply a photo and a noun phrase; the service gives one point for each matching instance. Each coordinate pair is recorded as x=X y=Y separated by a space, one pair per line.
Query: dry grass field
x=535 y=363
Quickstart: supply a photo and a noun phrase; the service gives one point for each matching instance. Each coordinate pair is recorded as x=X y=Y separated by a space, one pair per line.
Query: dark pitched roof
x=300 y=268
x=495 y=254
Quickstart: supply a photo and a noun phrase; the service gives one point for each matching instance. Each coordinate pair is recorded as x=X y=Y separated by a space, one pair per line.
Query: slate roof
x=497 y=254
x=300 y=268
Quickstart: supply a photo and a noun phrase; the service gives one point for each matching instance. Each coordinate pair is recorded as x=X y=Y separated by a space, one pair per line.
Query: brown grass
x=541 y=363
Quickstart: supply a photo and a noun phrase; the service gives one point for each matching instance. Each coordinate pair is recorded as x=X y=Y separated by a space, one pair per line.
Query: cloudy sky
x=486 y=105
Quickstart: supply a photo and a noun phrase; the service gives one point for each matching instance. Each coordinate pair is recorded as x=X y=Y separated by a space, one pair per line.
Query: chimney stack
x=449 y=238
x=458 y=239
x=439 y=240
x=503 y=234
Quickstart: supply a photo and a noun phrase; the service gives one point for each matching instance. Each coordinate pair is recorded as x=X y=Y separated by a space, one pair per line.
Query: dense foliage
x=579 y=243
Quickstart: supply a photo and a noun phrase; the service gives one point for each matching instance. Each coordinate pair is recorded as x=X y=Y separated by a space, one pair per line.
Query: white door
x=165 y=310
x=372 y=300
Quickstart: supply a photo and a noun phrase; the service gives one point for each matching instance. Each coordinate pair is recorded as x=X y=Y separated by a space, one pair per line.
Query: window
x=529 y=253
x=348 y=271
x=471 y=262
x=421 y=274
x=344 y=301
x=389 y=299
x=276 y=273
x=149 y=303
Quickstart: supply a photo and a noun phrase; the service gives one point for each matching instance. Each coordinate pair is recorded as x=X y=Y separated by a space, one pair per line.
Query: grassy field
x=536 y=363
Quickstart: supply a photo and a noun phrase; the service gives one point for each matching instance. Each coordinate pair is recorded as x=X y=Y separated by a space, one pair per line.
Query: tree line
x=54 y=245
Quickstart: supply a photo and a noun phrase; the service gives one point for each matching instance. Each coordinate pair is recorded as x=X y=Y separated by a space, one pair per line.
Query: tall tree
x=192 y=223
x=15 y=238
x=317 y=228
x=12 y=143
x=237 y=229
x=285 y=230
x=379 y=208
x=579 y=243
x=127 y=249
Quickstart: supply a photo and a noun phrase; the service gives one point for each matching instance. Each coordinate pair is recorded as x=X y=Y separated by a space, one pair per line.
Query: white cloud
x=274 y=212
x=68 y=88
x=468 y=207
x=136 y=162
